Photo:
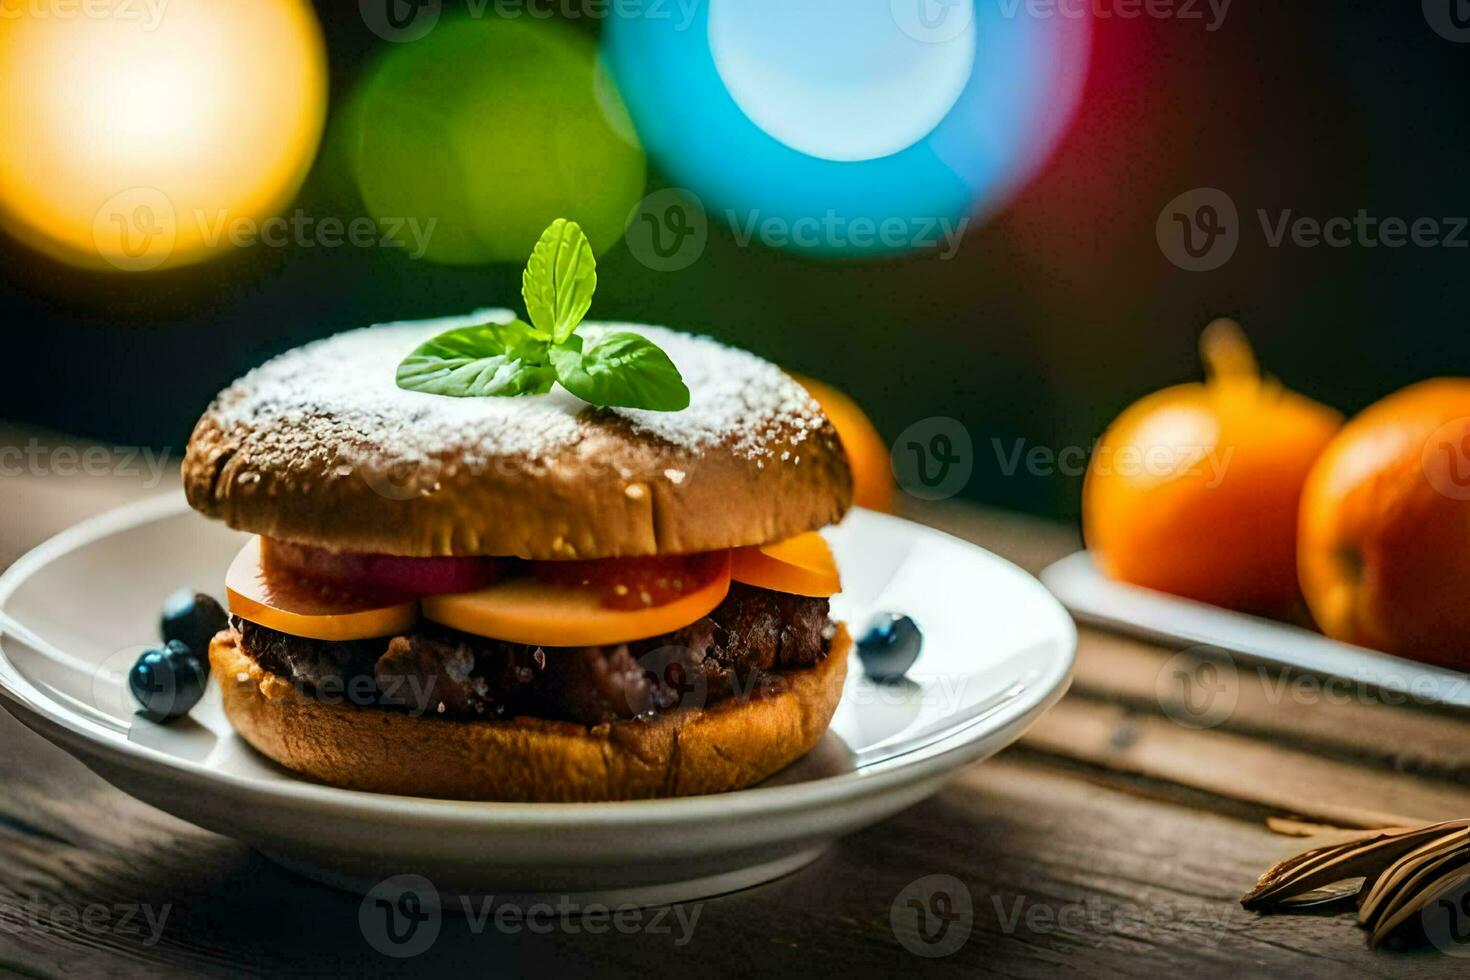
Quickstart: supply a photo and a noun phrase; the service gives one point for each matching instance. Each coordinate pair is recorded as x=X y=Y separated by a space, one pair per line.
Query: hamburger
x=476 y=574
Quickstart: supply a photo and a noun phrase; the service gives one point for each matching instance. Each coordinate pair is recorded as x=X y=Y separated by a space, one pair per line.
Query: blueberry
x=167 y=682
x=192 y=618
x=890 y=646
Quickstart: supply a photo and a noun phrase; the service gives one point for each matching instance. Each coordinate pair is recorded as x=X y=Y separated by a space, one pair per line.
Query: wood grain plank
x=1333 y=719
x=1287 y=781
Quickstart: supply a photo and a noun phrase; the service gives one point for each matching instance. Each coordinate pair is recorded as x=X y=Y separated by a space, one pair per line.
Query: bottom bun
x=689 y=752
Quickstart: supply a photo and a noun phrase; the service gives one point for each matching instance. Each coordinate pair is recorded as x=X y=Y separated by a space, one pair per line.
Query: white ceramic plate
x=998 y=651
x=1094 y=598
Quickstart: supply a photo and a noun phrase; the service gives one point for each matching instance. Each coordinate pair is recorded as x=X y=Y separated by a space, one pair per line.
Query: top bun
x=320 y=446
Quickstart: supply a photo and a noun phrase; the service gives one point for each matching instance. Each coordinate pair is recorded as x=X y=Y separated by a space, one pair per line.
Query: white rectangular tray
x=1095 y=599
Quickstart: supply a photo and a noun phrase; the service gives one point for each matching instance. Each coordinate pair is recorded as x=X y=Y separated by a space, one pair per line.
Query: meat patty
x=739 y=649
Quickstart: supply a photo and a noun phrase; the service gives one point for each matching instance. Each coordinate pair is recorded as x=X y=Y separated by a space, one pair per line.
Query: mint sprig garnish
x=625 y=369
x=611 y=370
x=559 y=280
x=473 y=362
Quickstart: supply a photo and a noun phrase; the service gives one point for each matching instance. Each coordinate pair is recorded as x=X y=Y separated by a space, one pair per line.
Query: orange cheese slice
x=802 y=565
x=561 y=611
x=276 y=600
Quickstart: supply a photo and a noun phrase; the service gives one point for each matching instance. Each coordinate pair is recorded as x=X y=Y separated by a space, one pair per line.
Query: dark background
x=1053 y=315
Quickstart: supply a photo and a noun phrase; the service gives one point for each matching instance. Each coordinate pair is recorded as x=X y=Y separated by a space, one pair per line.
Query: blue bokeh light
x=868 y=89
x=1025 y=83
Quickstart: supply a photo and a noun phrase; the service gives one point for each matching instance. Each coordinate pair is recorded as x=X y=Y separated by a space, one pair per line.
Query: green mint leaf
x=620 y=370
x=487 y=359
x=559 y=280
x=611 y=370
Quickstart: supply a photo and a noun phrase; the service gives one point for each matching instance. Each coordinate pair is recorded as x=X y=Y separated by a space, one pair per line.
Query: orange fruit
x=1384 y=551
x=867 y=453
x=1194 y=490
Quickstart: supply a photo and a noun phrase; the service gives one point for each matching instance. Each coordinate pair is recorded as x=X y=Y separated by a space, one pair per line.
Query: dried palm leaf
x=1395 y=874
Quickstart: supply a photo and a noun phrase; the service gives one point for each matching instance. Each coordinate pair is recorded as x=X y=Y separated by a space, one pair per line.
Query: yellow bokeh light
x=132 y=133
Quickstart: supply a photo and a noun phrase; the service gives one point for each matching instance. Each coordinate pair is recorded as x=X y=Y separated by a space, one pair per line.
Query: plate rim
x=91 y=741
x=1080 y=585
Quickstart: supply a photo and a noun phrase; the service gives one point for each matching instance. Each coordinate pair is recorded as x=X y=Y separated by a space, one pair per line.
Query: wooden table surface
x=1112 y=840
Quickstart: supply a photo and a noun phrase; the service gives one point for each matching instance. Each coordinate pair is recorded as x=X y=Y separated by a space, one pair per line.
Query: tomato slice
x=590 y=603
x=802 y=565
x=273 y=598
x=379 y=575
x=634 y=583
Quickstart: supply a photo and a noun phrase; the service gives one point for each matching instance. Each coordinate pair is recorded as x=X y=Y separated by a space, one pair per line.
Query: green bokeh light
x=495 y=128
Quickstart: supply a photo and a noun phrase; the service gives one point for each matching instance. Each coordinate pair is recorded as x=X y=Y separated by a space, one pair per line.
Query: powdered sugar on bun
x=736 y=399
